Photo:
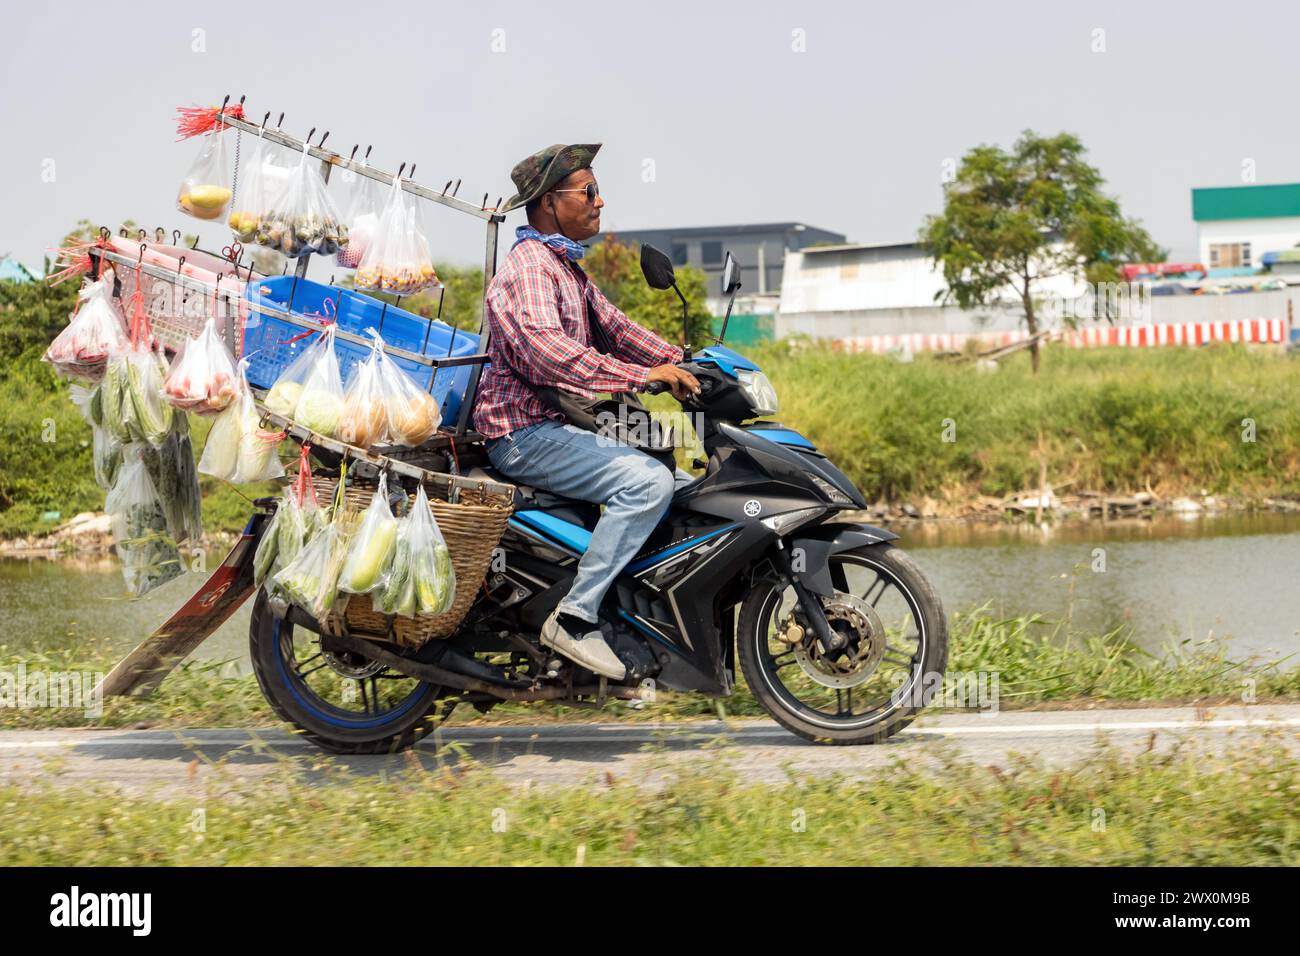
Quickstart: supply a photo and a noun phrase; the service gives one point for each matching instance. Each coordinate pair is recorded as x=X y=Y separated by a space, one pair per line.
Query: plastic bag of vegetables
x=96 y=331
x=371 y=551
x=364 y=418
x=397 y=261
x=202 y=378
x=421 y=579
x=131 y=397
x=361 y=217
x=107 y=450
x=311 y=579
x=302 y=220
x=205 y=190
x=412 y=413
x=149 y=556
x=238 y=448
x=172 y=471
x=297 y=517
x=315 y=370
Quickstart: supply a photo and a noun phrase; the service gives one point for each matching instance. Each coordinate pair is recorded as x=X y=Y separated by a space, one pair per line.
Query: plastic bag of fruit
x=413 y=414
x=362 y=218
x=302 y=220
x=397 y=261
x=205 y=190
x=96 y=331
x=202 y=378
x=365 y=417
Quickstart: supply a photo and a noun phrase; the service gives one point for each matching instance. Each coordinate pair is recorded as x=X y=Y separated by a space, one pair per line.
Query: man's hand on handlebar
x=682 y=383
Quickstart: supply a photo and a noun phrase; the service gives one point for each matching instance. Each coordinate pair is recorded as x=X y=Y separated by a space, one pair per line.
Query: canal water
x=1230 y=578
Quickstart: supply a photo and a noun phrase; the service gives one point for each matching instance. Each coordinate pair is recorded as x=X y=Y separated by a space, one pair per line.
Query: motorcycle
x=836 y=631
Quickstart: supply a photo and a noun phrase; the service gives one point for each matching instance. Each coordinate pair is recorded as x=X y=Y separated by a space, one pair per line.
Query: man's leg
x=635 y=489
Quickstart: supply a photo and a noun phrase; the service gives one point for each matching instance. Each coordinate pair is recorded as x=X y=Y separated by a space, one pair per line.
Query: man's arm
x=631 y=341
x=527 y=301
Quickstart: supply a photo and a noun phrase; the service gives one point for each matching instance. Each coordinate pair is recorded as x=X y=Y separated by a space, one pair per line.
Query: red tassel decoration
x=195 y=120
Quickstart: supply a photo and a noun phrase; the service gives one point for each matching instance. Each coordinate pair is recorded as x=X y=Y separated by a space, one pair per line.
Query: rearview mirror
x=657 y=268
x=730 y=274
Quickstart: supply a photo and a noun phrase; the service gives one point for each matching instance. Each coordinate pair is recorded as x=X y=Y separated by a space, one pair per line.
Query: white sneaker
x=588 y=649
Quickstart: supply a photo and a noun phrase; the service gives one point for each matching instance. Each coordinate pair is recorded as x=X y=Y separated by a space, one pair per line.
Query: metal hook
x=484 y=206
x=121 y=231
x=354 y=152
x=446 y=187
x=367 y=156
x=195 y=244
x=498 y=205
x=159 y=234
x=176 y=237
x=412 y=176
x=105 y=233
x=140 y=233
x=321 y=144
x=401 y=169
x=143 y=247
x=456 y=189
x=307 y=142
x=264 y=119
x=279 y=122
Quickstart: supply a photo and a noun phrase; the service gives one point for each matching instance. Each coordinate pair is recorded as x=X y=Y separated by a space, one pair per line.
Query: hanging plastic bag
x=107 y=450
x=370 y=552
x=297 y=518
x=149 y=557
x=205 y=190
x=302 y=220
x=132 y=403
x=413 y=414
x=175 y=478
x=202 y=378
x=397 y=261
x=311 y=579
x=422 y=580
x=95 y=331
x=312 y=387
x=362 y=218
x=315 y=362
x=364 y=419
x=238 y=448
x=259 y=185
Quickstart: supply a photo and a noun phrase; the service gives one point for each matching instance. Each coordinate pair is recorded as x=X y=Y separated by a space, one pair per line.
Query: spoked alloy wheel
x=343 y=702
x=891 y=635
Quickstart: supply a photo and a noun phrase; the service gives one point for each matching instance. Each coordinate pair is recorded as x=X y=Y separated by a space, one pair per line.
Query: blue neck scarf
x=562 y=244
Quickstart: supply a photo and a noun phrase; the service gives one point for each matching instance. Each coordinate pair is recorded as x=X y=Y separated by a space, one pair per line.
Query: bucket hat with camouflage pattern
x=546 y=168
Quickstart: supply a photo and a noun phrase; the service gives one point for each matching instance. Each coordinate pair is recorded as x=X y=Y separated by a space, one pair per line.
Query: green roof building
x=1237 y=226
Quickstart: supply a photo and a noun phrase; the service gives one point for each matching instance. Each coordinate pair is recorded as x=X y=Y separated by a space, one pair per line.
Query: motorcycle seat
x=584 y=514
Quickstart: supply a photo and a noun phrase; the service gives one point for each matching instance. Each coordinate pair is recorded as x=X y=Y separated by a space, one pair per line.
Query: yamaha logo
x=753 y=507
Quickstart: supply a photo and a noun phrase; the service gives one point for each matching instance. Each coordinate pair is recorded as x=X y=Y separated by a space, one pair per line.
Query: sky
x=840 y=115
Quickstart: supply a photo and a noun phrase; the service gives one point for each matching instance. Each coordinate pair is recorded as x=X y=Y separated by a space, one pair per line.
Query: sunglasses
x=591 y=189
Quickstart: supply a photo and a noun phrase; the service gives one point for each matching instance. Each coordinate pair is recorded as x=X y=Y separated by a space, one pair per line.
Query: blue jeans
x=635 y=489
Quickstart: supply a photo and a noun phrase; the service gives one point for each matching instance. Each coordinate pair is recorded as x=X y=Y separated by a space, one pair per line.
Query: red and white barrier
x=1263 y=331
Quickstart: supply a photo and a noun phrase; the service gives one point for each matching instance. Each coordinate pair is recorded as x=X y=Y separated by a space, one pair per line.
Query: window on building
x=711 y=253
x=679 y=253
x=1229 y=255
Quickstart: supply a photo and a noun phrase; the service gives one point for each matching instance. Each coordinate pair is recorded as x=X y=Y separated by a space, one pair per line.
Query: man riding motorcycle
x=543 y=313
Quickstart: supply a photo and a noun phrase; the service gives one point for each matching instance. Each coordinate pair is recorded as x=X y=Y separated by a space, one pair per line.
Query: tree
x=1013 y=219
x=616 y=268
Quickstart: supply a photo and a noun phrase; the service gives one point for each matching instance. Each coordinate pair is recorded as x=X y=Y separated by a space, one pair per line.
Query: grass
x=1108 y=420
x=1174 y=808
x=1039 y=662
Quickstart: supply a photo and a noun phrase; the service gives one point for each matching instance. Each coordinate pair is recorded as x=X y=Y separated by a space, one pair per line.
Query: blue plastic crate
x=266 y=339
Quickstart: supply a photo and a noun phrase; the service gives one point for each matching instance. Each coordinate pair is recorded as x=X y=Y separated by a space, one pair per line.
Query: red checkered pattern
x=538 y=331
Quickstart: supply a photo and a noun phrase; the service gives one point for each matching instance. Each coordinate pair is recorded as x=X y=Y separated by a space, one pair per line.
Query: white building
x=1237 y=226
x=854 y=290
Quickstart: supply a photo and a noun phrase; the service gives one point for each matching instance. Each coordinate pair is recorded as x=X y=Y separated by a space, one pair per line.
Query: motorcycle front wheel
x=892 y=650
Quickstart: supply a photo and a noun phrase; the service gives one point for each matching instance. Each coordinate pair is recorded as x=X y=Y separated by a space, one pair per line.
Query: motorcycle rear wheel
x=797 y=684
x=391 y=718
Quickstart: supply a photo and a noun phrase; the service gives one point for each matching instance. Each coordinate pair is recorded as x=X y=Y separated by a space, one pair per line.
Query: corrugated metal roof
x=1246 y=202
x=11 y=270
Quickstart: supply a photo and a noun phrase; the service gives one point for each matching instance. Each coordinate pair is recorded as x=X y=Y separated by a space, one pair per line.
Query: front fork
x=812 y=608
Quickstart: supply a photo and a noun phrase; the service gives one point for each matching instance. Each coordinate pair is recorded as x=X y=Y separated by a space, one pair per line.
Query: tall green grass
x=1109 y=420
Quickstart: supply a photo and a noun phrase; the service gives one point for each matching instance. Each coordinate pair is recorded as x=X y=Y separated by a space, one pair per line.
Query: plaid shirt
x=537 y=326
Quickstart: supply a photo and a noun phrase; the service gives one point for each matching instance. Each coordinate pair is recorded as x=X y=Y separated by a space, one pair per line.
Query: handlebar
x=654 y=388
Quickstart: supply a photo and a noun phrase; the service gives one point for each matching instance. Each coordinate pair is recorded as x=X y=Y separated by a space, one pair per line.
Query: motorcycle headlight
x=830 y=491
x=758 y=390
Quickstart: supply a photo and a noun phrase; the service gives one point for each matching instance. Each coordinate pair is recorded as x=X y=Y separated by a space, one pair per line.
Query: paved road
x=573 y=754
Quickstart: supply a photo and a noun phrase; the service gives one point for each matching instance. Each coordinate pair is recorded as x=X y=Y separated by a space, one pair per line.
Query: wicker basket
x=472 y=528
